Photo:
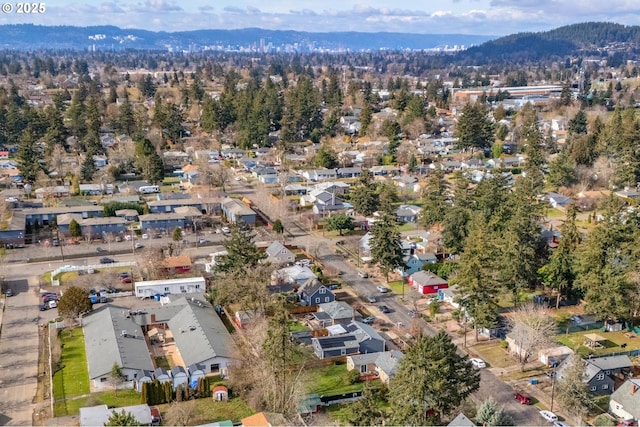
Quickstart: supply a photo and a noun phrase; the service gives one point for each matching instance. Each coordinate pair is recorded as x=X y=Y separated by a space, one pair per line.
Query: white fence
x=66 y=268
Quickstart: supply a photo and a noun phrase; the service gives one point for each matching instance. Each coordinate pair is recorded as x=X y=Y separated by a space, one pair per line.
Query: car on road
x=522 y=398
x=560 y=424
x=371 y=298
x=363 y=274
x=382 y=289
x=413 y=313
x=145 y=236
x=128 y=237
x=138 y=246
x=226 y=230
x=549 y=416
x=478 y=363
x=99 y=249
x=384 y=309
x=368 y=320
x=106 y=260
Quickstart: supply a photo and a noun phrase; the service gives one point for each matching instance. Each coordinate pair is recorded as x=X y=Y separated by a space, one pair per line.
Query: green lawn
x=122 y=398
x=163 y=362
x=73 y=377
x=555 y=213
x=295 y=326
x=494 y=355
x=408 y=226
x=613 y=343
x=332 y=379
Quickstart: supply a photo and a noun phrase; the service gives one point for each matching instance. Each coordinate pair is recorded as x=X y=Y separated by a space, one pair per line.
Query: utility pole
x=60 y=242
x=553 y=385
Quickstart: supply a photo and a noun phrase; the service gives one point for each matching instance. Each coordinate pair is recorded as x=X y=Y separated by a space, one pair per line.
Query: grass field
x=122 y=398
x=332 y=379
x=73 y=377
x=209 y=411
x=163 y=362
x=494 y=355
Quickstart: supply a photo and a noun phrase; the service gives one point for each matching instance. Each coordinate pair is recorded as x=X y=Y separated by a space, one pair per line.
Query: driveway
x=19 y=355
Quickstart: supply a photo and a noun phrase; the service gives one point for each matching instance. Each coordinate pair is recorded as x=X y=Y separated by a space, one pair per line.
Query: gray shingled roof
x=337 y=310
x=628 y=396
x=199 y=332
x=106 y=345
x=461 y=421
x=363 y=331
x=387 y=361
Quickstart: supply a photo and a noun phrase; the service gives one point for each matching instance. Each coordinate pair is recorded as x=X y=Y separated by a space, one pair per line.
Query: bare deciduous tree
x=181 y=413
x=531 y=330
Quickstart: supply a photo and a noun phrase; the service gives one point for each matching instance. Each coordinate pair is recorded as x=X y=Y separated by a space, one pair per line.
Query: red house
x=177 y=264
x=425 y=282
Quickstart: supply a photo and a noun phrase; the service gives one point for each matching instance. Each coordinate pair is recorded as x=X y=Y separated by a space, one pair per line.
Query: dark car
x=523 y=398
x=123 y=274
x=99 y=249
x=106 y=260
x=384 y=309
x=43 y=307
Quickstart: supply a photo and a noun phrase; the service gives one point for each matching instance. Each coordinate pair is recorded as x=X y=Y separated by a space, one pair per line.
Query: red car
x=523 y=398
x=125 y=280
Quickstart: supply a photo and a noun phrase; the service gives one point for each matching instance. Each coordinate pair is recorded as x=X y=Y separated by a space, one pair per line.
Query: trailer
x=151 y=288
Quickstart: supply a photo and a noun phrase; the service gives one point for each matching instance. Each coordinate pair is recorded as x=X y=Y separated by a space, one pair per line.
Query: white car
x=226 y=230
x=145 y=236
x=549 y=416
x=478 y=363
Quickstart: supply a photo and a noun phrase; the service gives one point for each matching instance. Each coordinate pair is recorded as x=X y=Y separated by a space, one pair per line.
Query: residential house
x=319 y=174
x=179 y=376
x=407 y=182
x=461 y=420
x=112 y=338
x=336 y=312
x=625 y=401
x=553 y=356
x=48 y=216
x=277 y=253
x=558 y=201
x=350 y=172
x=629 y=195
x=99 y=415
x=182 y=285
x=238 y=212
x=176 y=264
x=385 y=170
x=387 y=365
x=363 y=363
x=165 y=205
x=129 y=215
x=266 y=175
x=425 y=282
x=449 y=295
x=601 y=373
x=313 y=292
x=96 y=189
x=265 y=419
x=333 y=187
x=14 y=232
x=450 y=166
x=164 y=222
x=100 y=161
x=57 y=191
x=408 y=213
x=327 y=203
x=414 y=263
x=369 y=340
x=333 y=346
x=296 y=275
x=98 y=227
x=192 y=216
x=295 y=190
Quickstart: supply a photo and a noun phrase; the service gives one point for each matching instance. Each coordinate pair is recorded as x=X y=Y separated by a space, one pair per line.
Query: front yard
x=494 y=355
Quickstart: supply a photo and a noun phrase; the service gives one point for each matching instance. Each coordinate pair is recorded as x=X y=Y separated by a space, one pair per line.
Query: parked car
x=384 y=309
x=128 y=237
x=226 y=230
x=363 y=274
x=118 y=239
x=371 y=298
x=106 y=260
x=125 y=280
x=123 y=274
x=52 y=304
x=99 y=249
x=368 y=320
x=8 y=292
x=413 y=313
x=382 y=289
x=478 y=363
x=560 y=424
x=549 y=416
x=523 y=398
x=43 y=307
x=628 y=423
x=145 y=236
x=138 y=246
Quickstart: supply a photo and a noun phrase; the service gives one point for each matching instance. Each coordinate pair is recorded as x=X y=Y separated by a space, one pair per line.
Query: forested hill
x=588 y=38
x=29 y=37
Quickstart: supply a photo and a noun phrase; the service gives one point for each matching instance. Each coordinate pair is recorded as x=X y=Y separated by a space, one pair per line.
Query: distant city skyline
x=486 y=17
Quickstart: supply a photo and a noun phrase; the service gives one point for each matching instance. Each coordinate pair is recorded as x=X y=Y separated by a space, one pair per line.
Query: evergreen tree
x=432 y=380
x=325 y=158
x=475 y=277
x=363 y=195
x=366 y=410
x=386 y=244
x=149 y=162
x=434 y=205
x=489 y=414
x=242 y=253
x=88 y=168
x=559 y=273
x=30 y=158
x=73 y=302
x=572 y=391
x=340 y=222
x=366 y=115
x=475 y=130
x=74 y=229
x=121 y=418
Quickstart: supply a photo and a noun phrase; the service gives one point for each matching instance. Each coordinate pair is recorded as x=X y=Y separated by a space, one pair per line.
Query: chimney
x=634 y=388
x=153 y=318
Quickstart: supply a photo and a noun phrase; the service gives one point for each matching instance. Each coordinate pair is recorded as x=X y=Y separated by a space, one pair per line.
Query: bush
x=353 y=376
x=504 y=344
x=604 y=420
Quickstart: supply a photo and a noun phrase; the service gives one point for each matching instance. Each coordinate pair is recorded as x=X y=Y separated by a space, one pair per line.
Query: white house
x=149 y=288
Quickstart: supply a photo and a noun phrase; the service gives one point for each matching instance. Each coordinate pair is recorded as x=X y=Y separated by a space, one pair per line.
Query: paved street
x=19 y=354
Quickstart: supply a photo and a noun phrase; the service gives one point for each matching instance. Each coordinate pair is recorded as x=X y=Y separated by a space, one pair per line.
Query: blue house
x=237 y=212
x=313 y=292
x=161 y=221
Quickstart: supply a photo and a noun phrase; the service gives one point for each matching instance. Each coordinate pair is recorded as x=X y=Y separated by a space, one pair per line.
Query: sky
x=485 y=17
